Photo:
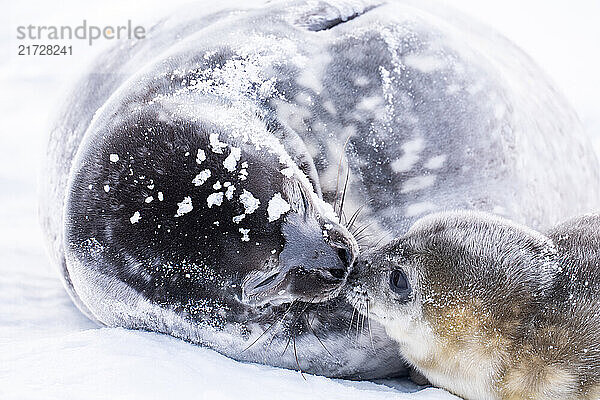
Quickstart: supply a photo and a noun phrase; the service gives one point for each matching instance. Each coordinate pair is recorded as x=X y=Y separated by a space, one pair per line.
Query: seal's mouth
x=262 y=287
x=278 y=287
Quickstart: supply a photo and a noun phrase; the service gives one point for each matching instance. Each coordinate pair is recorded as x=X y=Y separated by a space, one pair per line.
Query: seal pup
x=489 y=309
x=421 y=116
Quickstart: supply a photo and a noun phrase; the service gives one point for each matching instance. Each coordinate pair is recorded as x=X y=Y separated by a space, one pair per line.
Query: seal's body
x=492 y=310
x=189 y=177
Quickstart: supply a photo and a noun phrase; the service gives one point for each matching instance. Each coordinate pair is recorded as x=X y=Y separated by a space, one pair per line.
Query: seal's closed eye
x=399 y=284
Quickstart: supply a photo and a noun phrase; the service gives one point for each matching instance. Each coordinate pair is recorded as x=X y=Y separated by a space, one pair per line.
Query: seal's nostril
x=345 y=256
x=337 y=273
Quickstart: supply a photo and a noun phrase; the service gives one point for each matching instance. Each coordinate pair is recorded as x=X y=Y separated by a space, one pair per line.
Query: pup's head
x=453 y=273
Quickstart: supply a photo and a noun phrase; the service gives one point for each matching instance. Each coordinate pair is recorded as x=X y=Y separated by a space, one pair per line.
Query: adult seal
x=191 y=176
x=490 y=309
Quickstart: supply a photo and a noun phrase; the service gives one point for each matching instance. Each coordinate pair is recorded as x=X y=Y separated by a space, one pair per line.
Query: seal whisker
x=361 y=229
x=280 y=321
x=364 y=317
x=362 y=320
x=383 y=237
x=337 y=180
x=312 y=330
x=351 y=320
x=362 y=237
x=293 y=325
x=358 y=320
x=344 y=194
x=297 y=360
x=369 y=325
x=286 y=345
x=354 y=217
x=268 y=329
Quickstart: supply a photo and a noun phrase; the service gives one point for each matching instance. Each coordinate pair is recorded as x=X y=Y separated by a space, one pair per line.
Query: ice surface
x=49 y=350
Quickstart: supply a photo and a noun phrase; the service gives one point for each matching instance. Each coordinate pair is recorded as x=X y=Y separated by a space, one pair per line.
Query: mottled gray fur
x=417 y=114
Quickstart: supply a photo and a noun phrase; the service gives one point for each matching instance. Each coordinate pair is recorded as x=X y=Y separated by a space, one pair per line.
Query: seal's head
x=450 y=260
x=456 y=292
x=200 y=211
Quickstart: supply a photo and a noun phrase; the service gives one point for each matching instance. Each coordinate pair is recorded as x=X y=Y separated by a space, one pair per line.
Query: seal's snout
x=333 y=263
x=346 y=251
x=309 y=269
x=313 y=266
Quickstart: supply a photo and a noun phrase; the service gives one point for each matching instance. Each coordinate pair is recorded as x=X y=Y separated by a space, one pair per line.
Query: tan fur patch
x=536 y=381
x=470 y=352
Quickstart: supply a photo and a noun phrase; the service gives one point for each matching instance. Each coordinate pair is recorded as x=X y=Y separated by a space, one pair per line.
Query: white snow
x=288 y=172
x=216 y=145
x=229 y=191
x=184 y=207
x=50 y=350
x=114 y=158
x=201 y=177
x=245 y=232
x=277 y=207
x=230 y=163
x=214 y=199
x=201 y=156
x=249 y=202
x=135 y=218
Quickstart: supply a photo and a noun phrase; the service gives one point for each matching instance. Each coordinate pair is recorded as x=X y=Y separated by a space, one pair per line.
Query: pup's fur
x=496 y=310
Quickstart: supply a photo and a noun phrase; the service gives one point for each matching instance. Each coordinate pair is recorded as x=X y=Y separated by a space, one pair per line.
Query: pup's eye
x=399 y=284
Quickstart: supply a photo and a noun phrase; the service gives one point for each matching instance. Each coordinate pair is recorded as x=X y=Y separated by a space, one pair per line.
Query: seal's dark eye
x=399 y=284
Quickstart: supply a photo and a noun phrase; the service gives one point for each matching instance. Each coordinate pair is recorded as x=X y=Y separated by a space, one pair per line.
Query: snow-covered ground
x=49 y=350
